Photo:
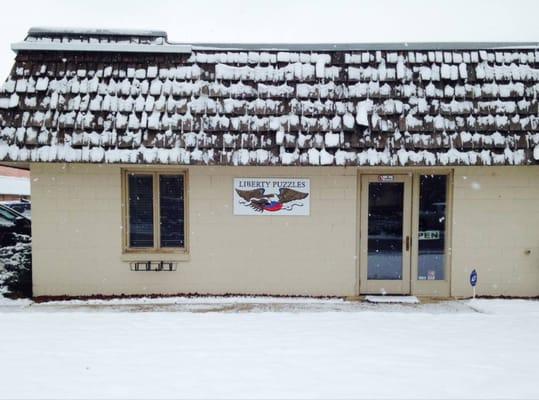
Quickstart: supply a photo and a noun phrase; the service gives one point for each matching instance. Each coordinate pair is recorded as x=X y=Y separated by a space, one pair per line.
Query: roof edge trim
x=101 y=47
x=383 y=46
x=38 y=30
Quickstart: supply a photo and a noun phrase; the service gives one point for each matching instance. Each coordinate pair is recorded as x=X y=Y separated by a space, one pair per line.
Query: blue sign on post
x=473 y=281
x=473 y=278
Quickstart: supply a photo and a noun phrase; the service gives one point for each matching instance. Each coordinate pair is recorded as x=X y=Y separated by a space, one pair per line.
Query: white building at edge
x=14 y=184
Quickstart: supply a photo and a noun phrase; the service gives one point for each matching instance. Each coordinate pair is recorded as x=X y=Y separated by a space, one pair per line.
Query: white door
x=385 y=234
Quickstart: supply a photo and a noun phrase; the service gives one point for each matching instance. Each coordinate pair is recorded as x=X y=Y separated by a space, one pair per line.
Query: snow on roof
x=98 y=40
x=155 y=41
x=94 y=32
x=433 y=105
x=384 y=46
x=14 y=186
x=101 y=47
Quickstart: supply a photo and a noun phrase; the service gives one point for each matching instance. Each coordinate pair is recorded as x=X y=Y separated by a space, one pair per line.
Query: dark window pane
x=5 y=222
x=7 y=215
x=432 y=210
x=140 y=210
x=385 y=230
x=171 y=210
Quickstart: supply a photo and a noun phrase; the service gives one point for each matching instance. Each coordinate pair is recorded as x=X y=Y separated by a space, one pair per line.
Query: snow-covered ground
x=268 y=348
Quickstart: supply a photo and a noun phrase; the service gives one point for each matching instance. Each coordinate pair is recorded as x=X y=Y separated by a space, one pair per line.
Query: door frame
x=434 y=288
x=381 y=286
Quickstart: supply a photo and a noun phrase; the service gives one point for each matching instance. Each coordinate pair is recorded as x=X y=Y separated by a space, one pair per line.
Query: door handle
x=407 y=243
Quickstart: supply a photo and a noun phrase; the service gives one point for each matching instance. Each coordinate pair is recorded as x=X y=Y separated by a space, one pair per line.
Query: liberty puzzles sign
x=271 y=196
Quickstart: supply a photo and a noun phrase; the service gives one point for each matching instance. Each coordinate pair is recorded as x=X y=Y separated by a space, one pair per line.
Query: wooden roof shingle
x=408 y=105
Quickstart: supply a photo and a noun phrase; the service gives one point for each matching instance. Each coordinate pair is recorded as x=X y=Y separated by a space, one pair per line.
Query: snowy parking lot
x=268 y=348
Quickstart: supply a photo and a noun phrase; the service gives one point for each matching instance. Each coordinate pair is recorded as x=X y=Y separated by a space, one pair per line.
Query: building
x=321 y=170
x=14 y=183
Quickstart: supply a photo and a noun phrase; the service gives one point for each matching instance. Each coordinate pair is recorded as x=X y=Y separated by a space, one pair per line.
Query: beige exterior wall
x=77 y=235
x=496 y=230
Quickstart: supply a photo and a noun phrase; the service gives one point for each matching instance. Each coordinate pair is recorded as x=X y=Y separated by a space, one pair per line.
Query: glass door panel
x=385 y=230
x=431 y=232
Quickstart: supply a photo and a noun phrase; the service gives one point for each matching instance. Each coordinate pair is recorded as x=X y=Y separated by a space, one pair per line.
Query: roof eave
x=39 y=30
x=389 y=46
x=101 y=47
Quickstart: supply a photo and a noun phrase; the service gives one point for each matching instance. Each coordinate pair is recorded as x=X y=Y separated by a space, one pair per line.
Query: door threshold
x=392 y=299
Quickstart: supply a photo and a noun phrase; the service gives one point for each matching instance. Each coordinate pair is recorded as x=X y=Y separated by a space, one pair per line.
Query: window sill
x=155 y=256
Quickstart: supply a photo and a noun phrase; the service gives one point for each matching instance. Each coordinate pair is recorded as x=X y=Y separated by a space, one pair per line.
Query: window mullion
x=157 y=212
x=126 y=219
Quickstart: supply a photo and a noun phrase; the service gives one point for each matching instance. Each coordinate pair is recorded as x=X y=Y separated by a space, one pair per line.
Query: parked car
x=23 y=207
x=11 y=223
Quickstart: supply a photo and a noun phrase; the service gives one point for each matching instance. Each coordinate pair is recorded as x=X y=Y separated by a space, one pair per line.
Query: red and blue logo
x=273 y=206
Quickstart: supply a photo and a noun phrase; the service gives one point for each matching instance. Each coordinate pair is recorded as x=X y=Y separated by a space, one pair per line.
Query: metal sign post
x=473 y=281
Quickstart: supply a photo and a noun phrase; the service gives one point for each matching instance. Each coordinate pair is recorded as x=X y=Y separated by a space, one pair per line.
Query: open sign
x=429 y=235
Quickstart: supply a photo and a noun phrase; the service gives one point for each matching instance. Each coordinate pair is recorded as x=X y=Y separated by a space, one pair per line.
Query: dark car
x=11 y=224
x=23 y=207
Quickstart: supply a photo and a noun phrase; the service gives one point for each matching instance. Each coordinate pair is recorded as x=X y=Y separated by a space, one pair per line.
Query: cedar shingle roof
x=115 y=96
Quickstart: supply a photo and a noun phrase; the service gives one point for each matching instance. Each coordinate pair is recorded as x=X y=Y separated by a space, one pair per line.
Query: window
x=432 y=216
x=155 y=217
x=385 y=229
